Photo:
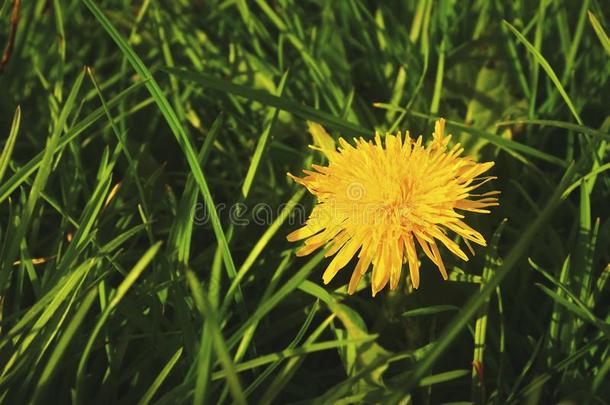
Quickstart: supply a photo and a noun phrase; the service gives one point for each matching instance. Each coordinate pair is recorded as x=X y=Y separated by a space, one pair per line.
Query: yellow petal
x=396 y=264
x=439 y=260
x=301 y=233
x=466 y=232
x=354 y=281
x=381 y=273
x=307 y=249
x=449 y=244
x=340 y=260
x=413 y=262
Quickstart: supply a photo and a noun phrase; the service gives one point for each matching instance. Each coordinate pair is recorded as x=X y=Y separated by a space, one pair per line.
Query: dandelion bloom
x=379 y=200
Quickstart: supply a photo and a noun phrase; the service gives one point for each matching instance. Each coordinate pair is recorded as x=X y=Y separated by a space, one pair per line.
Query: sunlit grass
x=144 y=202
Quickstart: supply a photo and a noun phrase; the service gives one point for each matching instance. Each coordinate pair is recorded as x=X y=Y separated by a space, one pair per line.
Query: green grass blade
x=600 y=286
x=40 y=181
x=123 y=145
x=121 y=238
x=262 y=142
x=577 y=310
x=261 y=244
x=220 y=345
x=86 y=221
x=587 y=176
x=570 y=300
x=443 y=377
x=204 y=364
x=560 y=124
x=247 y=334
x=492 y=262
x=560 y=366
x=24 y=172
x=599 y=31
x=282 y=103
x=182 y=228
x=295 y=352
x=533 y=355
x=557 y=314
x=43 y=312
x=176 y=128
x=154 y=387
x=438 y=83
x=283 y=377
x=547 y=68
x=123 y=288
x=503 y=143
x=7 y=151
x=297 y=339
x=585 y=244
x=599 y=379
x=576 y=40
x=62 y=345
x=431 y=310
x=535 y=68
x=267 y=305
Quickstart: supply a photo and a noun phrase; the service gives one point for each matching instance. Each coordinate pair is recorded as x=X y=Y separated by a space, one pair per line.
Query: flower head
x=379 y=200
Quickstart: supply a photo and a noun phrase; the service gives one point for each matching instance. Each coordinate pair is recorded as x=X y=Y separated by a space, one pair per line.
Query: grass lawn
x=145 y=202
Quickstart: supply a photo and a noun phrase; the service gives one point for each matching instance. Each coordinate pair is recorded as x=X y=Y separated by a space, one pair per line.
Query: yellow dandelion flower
x=377 y=200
